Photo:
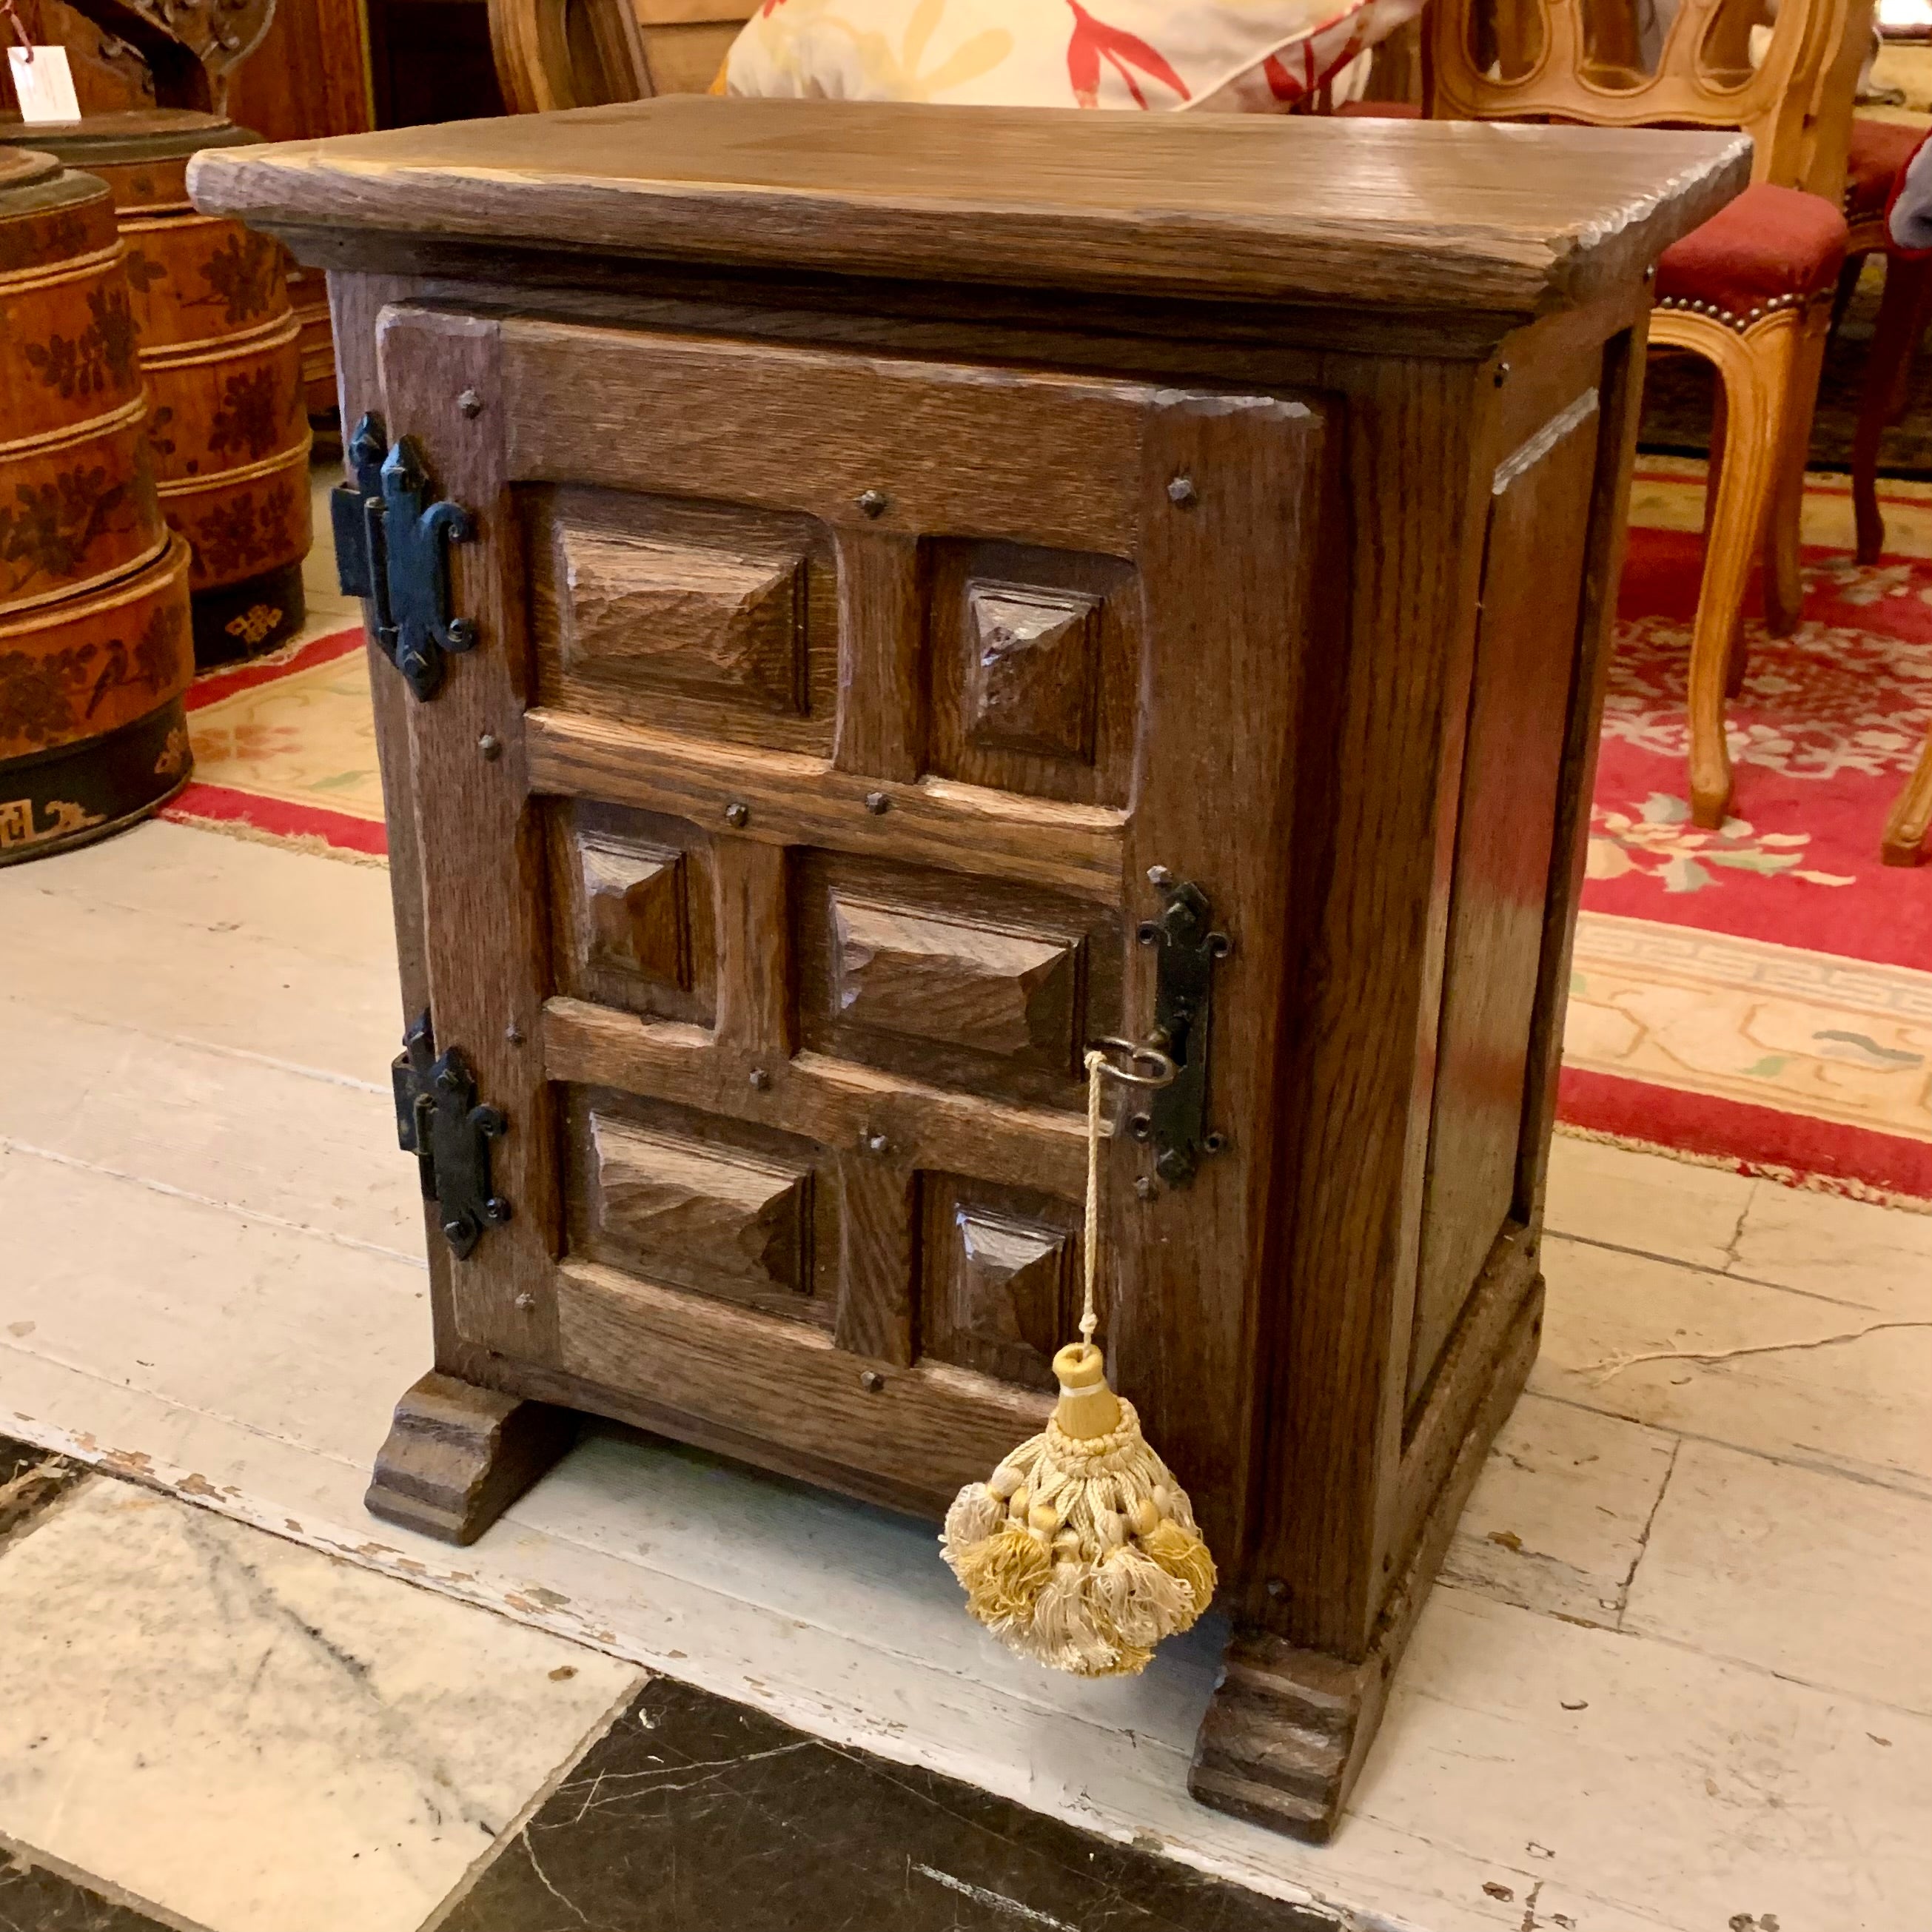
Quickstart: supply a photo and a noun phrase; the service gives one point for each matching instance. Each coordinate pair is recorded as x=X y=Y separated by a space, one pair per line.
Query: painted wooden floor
x=1677 y=1676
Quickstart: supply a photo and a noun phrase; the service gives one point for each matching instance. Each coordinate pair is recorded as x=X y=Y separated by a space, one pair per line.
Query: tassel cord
x=1096 y=1065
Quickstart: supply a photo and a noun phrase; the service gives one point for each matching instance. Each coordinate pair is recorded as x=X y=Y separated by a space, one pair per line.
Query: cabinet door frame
x=1230 y=568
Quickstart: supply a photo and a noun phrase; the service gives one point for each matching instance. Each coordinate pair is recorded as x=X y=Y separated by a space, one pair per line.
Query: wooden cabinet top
x=1358 y=213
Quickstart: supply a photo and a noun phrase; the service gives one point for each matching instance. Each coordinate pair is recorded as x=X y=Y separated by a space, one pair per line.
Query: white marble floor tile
x=1815 y=1577
x=260 y=1739
x=1557 y=1518
x=1645 y=1202
x=1857 y=1406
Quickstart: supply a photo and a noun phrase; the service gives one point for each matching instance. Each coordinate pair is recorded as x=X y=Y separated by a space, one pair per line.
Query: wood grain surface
x=1406 y=214
x=869 y=645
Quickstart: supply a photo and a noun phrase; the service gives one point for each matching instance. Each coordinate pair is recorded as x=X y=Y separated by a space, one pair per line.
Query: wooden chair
x=1878 y=150
x=1911 y=816
x=1750 y=292
x=581 y=53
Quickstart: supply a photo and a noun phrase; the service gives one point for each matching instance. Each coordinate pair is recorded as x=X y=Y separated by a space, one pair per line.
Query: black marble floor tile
x=33 y=1900
x=694 y=1814
x=30 y=1479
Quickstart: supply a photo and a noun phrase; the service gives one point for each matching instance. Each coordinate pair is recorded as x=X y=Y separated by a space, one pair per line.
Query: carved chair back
x=581 y=53
x=1784 y=74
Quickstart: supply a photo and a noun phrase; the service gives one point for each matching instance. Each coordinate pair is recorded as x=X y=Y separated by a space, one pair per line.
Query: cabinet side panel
x=1526 y=657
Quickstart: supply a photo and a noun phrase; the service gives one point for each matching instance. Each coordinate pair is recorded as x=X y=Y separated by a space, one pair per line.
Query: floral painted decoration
x=1251 y=56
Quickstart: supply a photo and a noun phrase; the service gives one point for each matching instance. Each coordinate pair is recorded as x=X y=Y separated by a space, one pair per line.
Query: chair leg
x=1738 y=662
x=1754 y=368
x=1904 y=842
x=1848 y=285
x=1783 y=576
x=1901 y=322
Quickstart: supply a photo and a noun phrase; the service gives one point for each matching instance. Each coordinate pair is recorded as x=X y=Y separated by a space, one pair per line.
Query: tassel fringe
x=1080 y=1553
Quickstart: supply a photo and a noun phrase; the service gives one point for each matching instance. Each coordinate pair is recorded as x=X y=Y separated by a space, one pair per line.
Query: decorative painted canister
x=95 y=649
x=219 y=345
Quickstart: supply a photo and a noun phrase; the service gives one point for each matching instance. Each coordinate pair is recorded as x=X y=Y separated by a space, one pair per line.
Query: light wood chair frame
x=581 y=53
x=539 y=46
x=1768 y=377
x=1903 y=843
x=1796 y=105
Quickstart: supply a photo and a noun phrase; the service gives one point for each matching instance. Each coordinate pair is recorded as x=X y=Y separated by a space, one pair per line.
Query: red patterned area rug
x=285 y=750
x=1760 y=997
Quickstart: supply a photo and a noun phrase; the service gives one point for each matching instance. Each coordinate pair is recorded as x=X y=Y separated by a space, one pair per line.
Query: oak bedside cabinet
x=866 y=600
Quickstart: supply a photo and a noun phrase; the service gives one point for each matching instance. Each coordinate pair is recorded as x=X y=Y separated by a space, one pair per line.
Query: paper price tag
x=42 y=79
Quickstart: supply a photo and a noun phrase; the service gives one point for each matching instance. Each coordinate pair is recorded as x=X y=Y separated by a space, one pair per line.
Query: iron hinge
x=391 y=549
x=439 y=1120
x=1176 y=1121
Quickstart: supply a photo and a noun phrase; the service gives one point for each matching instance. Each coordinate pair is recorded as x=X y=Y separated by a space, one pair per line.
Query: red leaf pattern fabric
x=1094 y=41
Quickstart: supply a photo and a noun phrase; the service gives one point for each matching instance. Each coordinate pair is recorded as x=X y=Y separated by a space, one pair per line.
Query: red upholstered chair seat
x=1771 y=248
x=1880 y=148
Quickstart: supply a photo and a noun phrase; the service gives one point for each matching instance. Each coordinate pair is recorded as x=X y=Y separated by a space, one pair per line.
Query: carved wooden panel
x=651 y=614
x=1001 y=1285
x=1032 y=664
x=729 y=1218
x=698 y=618
x=932 y=977
x=632 y=913
x=698 y=1201
x=981 y=983
x=633 y=910
x=1032 y=659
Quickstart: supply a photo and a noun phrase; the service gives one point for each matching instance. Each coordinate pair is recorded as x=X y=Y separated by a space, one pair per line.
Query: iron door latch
x=439 y=1120
x=391 y=548
x=1176 y=1121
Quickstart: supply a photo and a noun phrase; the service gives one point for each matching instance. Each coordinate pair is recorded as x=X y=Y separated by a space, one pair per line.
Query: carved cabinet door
x=787 y=832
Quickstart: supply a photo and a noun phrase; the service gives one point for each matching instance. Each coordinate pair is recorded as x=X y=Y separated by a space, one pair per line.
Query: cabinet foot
x=457 y=1456
x=1288 y=1729
x=1282 y=1740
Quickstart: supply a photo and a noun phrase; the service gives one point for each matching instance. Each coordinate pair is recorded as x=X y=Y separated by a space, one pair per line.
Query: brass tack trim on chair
x=1739 y=322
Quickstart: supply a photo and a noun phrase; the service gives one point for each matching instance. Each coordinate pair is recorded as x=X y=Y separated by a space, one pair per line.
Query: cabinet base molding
x=457 y=1456
x=1288 y=1729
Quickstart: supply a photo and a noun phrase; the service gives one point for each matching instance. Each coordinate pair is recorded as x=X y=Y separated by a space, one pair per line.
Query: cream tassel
x=1082 y=1551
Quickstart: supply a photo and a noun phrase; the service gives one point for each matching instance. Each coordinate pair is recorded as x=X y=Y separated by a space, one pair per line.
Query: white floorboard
x=212 y=1278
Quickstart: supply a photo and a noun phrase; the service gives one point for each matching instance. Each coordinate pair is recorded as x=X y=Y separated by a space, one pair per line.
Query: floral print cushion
x=1247 y=56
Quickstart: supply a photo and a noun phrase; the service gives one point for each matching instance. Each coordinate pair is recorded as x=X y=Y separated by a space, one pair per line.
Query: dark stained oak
x=905 y=538
x=1003 y=1292
x=727 y=1218
x=1029 y=657
x=457 y=1456
x=635 y=915
x=1001 y=991
x=656 y=615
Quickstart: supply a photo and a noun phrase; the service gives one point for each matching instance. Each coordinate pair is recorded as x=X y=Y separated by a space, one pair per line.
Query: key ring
x=1143 y=1051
